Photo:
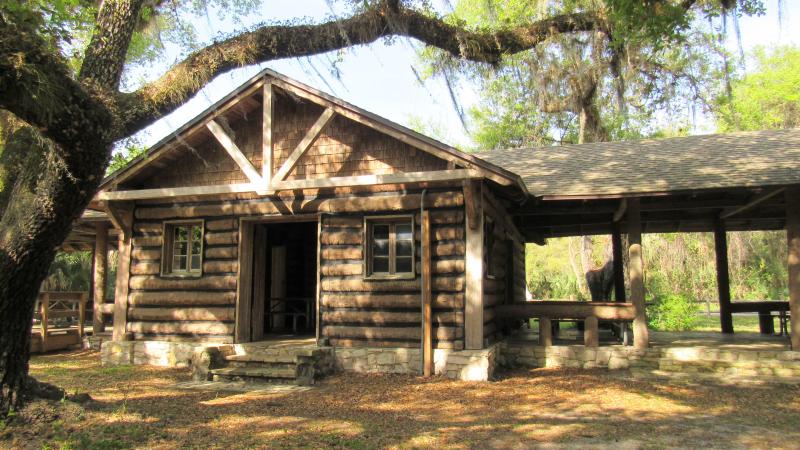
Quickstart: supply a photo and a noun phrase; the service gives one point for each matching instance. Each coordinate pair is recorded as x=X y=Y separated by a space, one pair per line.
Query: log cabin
x=283 y=217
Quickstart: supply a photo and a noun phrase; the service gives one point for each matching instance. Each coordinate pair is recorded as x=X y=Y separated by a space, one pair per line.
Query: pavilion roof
x=651 y=166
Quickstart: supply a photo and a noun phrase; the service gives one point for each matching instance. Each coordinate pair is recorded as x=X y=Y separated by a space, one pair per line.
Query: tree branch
x=389 y=18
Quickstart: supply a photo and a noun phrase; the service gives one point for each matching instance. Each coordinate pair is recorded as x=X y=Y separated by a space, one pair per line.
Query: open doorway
x=281 y=286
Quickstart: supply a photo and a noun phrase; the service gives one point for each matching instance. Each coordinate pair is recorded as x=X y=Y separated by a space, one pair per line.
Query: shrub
x=673 y=313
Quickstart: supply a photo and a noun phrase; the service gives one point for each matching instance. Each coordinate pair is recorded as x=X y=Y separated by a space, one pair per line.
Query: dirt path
x=138 y=407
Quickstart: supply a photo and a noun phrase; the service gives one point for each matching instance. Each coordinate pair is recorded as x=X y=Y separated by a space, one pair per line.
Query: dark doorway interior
x=284 y=279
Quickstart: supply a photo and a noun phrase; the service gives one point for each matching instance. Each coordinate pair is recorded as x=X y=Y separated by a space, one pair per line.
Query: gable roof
x=717 y=161
x=250 y=87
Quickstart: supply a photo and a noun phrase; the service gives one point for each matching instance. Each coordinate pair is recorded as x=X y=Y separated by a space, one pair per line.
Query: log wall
x=359 y=312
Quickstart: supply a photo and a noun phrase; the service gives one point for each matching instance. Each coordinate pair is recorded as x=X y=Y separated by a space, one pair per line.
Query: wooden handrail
x=46 y=313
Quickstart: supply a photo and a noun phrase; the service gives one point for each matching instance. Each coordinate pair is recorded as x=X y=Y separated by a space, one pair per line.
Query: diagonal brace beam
x=306 y=143
x=234 y=151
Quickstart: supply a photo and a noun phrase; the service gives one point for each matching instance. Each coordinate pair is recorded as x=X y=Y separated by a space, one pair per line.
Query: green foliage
x=69 y=272
x=767 y=98
x=124 y=156
x=673 y=312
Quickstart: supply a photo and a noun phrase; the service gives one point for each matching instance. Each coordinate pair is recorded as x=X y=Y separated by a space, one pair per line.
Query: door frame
x=244 y=272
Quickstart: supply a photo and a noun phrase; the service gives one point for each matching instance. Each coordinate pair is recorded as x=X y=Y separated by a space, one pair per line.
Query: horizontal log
x=445 y=233
x=494 y=285
x=222 y=237
x=567 y=310
x=147 y=241
x=448 y=249
x=360 y=285
x=493 y=299
x=345 y=237
x=182 y=298
x=148 y=227
x=343 y=221
x=489 y=329
x=145 y=268
x=445 y=217
x=222 y=252
x=146 y=255
x=449 y=266
x=279 y=206
x=455 y=345
x=452 y=284
x=342 y=253
x=342 y=269
x=206 y=339
x=221 y=266
x=205 y=282
x=389 y=301
x=181 y=314
x=489 y=314
x=389 y=317
x=222 y=224
x=353 y=332
x=199 y=328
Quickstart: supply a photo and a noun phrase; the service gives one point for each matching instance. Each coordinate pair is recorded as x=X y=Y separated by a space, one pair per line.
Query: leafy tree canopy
x=766 y=98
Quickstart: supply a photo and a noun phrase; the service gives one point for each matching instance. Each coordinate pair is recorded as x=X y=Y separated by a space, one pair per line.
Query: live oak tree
x=63 y=114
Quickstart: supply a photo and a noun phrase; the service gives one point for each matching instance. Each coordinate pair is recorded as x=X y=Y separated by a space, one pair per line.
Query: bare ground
x=140 y=407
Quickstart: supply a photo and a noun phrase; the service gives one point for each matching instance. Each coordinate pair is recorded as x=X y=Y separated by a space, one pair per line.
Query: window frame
x=392 y=220
x=167 y=248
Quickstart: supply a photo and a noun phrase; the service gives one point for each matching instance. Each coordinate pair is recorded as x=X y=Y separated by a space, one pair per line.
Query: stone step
x=262 y=358
x=255 y=374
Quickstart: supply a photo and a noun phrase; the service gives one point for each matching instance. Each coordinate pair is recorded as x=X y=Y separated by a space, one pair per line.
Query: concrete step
x=262 y=358
x=255 y=374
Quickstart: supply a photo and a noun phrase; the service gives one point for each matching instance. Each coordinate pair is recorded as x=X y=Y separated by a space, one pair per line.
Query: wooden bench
x=589 y=312
x=58 y=305
x=766 y=324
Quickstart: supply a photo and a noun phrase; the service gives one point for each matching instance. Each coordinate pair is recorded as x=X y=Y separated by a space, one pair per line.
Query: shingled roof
x=735 y=160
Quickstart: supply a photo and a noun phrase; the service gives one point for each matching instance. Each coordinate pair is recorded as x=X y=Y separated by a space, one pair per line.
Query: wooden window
x=183 y=249
x=390 y=247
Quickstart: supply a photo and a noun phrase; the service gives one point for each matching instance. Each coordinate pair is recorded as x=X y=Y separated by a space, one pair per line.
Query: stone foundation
x=525 y=354
x=468 y=365
x=153 y=353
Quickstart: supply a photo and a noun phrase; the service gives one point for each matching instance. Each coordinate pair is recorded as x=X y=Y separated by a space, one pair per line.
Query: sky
x=380 y=78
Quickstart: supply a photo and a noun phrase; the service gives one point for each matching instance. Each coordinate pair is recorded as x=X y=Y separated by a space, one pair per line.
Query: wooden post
x=244 y=293
x=44 y=310
x=473 y=309
x=793 y=241
x=100 y=271
x=260 y=279
x=641 y=336
x=427 y=296
x=766 y=323
x=619 y=270
x=122 y=215
x=545 y=332
x=591 y=336
x=82 y=314
x=723 y=279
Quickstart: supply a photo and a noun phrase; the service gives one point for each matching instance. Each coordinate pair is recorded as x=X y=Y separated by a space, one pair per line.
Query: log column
x=100 y=271
x=793 y=240
x=723 y=280
x=619 y=271
x=473 y=309
x=641 y=337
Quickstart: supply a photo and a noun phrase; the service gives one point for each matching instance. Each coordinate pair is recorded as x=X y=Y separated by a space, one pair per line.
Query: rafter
x=306 y=143
x=371 y=180
x=234 y=151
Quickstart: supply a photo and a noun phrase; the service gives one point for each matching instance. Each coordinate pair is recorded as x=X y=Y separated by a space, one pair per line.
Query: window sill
x=182 y=275
x=405 y=276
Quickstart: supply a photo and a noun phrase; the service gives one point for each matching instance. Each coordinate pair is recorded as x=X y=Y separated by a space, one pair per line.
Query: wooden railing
x=589 y=312
x=59 y=305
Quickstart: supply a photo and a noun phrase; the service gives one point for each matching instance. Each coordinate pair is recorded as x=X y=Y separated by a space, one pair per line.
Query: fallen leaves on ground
x=140 y=407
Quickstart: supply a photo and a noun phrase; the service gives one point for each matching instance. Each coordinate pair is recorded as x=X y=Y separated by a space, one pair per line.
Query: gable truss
x=264 y=183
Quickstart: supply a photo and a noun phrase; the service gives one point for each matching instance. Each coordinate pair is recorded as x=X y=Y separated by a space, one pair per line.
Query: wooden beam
x=564 y=309
x=466 y=160
x=620 y=212
x=473 y=322
x=302 y=147
x=619 y=266
x=723 y=277
x=793 y=263
x=100 y=269
x=123 y=218
x=636 y=274
x=244 y=288
x=145 y=194
x=234 y=152
x=266 y=134
x=372 y=180
x=730 y=212
x=427 y=296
